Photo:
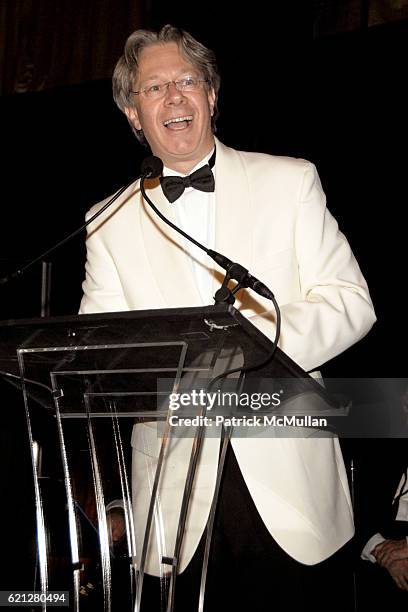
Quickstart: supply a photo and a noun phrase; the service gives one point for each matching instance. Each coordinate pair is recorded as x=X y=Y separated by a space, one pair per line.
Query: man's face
x=180 y=145
x=116 y=525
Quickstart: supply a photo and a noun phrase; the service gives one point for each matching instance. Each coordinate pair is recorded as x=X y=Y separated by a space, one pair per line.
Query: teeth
x=178 y=120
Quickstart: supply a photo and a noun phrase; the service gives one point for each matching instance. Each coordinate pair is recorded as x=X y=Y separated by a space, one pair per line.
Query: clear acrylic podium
x=90 y=386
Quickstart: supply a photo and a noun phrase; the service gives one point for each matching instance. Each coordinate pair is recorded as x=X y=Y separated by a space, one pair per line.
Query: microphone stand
x=234 y=271
x=19 y=272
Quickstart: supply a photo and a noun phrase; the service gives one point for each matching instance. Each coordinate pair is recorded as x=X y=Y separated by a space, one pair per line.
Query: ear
x=133 y=117
x=211 y=100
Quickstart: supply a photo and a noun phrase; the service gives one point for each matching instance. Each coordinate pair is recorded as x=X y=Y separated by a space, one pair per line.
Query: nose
x=173 y=95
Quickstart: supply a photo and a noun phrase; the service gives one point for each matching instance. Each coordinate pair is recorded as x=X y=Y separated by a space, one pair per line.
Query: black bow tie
x=202 y=179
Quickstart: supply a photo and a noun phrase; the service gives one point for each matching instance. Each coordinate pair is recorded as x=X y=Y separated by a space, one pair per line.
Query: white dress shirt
x=195 y=213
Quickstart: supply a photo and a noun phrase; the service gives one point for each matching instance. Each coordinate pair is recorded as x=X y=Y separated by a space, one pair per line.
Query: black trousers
x=249 y=571
x=376 y=588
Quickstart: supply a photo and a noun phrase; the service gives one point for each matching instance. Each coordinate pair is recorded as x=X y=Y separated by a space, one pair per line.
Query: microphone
x=241 y=274
x=151 y=168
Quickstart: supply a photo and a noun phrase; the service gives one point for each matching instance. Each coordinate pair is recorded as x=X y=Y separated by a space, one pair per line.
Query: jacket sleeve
x=334 y=310
x=102 y=289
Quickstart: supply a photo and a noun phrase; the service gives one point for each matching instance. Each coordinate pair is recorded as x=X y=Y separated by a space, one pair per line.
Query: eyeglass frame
x=166 y=86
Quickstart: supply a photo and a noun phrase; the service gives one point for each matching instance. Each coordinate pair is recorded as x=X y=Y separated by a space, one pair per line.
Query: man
x=268 y=213
x=387 y=549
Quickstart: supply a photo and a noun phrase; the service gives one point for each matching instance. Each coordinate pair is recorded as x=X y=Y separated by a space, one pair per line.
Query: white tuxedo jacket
x=270 y=217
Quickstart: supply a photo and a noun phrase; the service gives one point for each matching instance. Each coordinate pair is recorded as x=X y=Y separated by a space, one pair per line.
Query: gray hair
x=126 y=69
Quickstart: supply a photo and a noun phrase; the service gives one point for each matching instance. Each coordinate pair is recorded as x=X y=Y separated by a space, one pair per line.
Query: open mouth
x=178 y=123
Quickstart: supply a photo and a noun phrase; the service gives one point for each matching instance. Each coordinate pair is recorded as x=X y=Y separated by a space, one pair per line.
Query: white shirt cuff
x=371 y=544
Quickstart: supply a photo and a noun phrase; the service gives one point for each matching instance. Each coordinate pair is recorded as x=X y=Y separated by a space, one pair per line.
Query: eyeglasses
x=159 y=90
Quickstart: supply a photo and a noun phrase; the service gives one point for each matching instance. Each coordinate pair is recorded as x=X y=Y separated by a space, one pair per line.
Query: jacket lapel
x=233 y=231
